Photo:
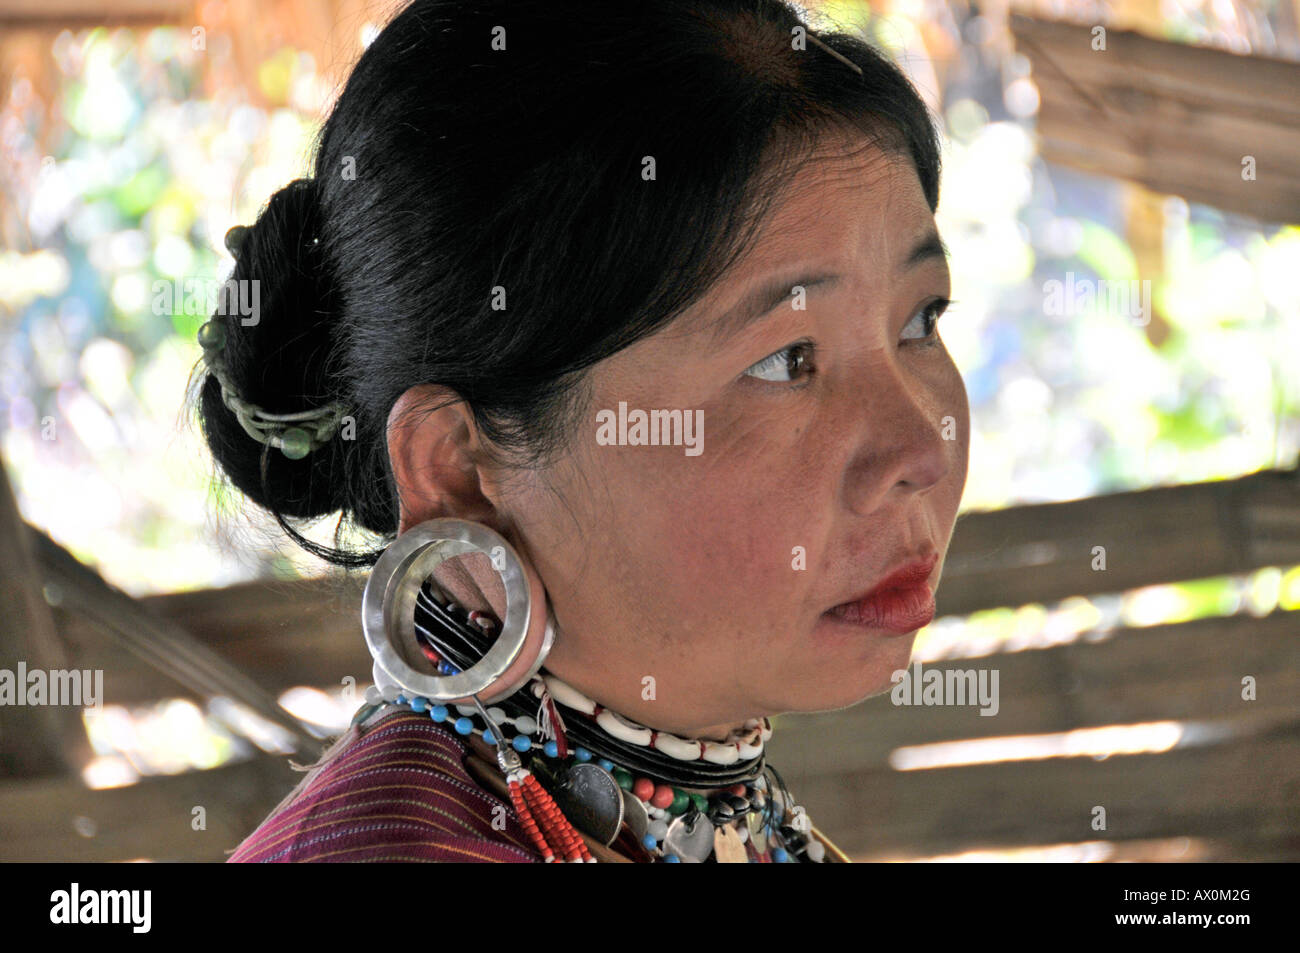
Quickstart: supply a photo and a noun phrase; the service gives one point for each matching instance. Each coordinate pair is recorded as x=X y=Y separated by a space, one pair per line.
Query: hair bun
x=277 y=353
x=289 y=219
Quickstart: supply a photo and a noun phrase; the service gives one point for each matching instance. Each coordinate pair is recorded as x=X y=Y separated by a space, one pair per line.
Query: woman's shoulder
x=397 y=791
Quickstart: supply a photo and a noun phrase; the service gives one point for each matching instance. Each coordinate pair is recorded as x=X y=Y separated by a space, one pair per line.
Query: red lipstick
x=902 y=602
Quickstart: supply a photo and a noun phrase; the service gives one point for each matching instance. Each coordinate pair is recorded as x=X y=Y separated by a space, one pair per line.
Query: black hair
x=503 y=144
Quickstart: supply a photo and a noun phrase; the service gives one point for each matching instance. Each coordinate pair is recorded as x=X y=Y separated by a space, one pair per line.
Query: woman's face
x=677 y=582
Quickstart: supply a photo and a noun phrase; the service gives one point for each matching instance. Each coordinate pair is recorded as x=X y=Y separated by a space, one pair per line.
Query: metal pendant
x=635 y=816
x=592 y=800
x=690 y=837
x=728 y=848
x=754 y=820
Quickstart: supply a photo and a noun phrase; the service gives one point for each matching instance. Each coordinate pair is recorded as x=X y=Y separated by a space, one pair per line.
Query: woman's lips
x=903 y=602
x=897 y=610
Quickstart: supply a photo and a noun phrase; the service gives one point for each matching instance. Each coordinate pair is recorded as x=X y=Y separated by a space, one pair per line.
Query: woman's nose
x=906 y=438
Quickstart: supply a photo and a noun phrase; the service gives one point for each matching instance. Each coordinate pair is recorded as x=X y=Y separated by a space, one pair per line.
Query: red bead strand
x=545 y=811
x=529 y=823
x=555 y=825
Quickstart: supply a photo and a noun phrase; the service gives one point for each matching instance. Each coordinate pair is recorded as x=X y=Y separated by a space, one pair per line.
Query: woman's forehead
x=842 y=210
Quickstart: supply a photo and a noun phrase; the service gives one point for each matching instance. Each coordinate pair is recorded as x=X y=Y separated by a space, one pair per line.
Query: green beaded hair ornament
x=295 y=435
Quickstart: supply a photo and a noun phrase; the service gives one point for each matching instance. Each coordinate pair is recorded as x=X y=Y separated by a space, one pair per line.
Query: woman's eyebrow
x=930 y=246
x=763 y=299
x=771 y=292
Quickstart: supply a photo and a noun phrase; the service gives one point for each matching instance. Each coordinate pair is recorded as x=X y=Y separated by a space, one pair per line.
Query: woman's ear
x=433 y=445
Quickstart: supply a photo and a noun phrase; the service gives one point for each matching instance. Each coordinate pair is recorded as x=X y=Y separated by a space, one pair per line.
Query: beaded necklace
x=674 y=799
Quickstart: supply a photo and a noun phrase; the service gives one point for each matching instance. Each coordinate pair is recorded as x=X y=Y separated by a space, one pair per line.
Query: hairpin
x=296 y=434
x=839 y=56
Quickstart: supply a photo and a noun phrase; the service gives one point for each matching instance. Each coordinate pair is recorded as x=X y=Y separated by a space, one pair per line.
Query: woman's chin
x=854 y=665
x=846 y=687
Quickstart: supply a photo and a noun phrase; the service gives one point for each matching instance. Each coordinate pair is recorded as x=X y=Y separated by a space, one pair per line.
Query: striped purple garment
x=401 y=792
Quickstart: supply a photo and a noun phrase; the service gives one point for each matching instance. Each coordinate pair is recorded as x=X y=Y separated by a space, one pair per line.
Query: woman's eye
x=791 y=363
x=929 y=317
x=783 y=366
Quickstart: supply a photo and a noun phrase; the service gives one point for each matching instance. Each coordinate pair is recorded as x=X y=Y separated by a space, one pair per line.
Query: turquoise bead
x=419 y=704
x=489 y=737
x=295 y=443
x=779 y=856
x=212 y=335
x=672 y=859
x=234 y=239
x=649 y=842
x=521 y=743
x=551 y=749
x=438 y=712
x=464 y=726
x=582 y=754
x=606 y=764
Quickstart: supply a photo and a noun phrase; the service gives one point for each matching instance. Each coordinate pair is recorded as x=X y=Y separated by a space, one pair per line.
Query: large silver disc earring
x=388 y=616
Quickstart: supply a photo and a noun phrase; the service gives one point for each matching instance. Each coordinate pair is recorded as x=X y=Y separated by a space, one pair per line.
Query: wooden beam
x=1044 y=553
x=1144 y=230
x=155 y=819
x=1187 y=672
x=68 y=14
x=34 y=739
x=163 y=645
x=282 y=633
x=1177 y=118
x=1245 y=790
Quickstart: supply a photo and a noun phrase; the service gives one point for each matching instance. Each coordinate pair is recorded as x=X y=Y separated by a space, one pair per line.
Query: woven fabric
x=400 y=792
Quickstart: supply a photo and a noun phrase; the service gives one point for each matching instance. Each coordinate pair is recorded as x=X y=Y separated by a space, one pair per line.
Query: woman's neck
x=649 y=713
x=462 y=581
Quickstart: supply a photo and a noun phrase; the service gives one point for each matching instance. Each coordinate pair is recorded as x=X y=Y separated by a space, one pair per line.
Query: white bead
x=815 y=850
x=525 y=724
x=658 y=829
x=467 y=709
x=569 y=697
x=720 y=754
x=498 y=715
x=624 y=730
x=744 y=833
x=372 y=695
x=677 y=748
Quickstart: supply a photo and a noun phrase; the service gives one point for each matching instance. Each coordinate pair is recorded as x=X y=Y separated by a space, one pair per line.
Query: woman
x=534 y=227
